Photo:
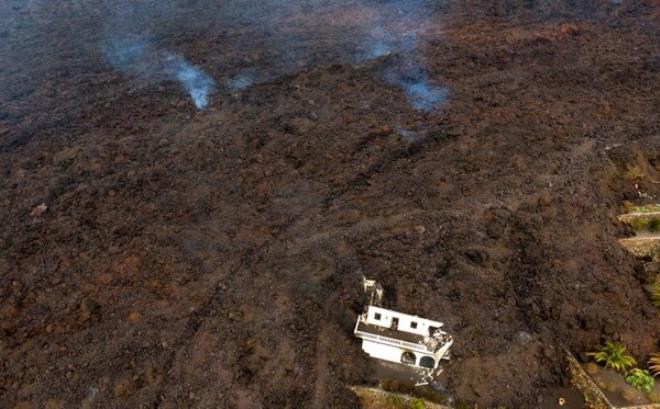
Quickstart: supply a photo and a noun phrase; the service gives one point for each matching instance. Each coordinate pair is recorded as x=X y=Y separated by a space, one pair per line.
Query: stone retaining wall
x=592 y=393
x=379 y=396
x=583 y=382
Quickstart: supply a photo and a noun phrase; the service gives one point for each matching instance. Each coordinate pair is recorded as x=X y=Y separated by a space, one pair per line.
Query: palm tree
x=614 y=356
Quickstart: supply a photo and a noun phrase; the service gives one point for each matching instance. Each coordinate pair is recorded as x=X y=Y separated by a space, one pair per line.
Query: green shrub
x=654 y=225
x=641 y=224
x=638 y=224
x=641 y=380
x=417 y=404
x=614 y=356
x=654 y=292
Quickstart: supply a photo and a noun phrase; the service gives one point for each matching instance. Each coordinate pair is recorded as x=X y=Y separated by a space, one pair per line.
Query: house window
x=413 y=324
x=377 y=316
x=408 y=358
x=427 y=362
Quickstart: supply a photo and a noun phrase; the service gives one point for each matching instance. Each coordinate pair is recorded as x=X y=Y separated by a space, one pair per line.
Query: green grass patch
x=654 y=292
x=645 y=209
x=396 y=402
x=645 y=223
x=418 y=404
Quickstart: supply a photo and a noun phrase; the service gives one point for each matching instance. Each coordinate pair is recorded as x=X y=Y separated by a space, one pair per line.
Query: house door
x=395 y=323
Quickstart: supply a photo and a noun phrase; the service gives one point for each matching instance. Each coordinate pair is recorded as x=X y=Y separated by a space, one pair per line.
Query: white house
x=402 y=338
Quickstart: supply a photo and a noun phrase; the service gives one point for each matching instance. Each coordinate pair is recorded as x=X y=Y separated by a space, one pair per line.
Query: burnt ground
x=213 y=258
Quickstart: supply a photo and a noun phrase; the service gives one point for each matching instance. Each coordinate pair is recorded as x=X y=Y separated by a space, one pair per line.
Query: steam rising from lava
x=421 y=95
x=271 y=38
x=197 y=82
x=397 y=27
x=140 y=58
x=241 y=81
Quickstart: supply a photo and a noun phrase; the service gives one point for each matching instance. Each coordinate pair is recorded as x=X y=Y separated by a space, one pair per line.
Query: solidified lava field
x=470 y=155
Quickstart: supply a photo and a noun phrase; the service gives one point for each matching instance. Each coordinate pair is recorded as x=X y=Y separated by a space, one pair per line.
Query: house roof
x=391 y=333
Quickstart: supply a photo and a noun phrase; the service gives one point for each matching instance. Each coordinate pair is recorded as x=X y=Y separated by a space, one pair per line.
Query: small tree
x=614 y=356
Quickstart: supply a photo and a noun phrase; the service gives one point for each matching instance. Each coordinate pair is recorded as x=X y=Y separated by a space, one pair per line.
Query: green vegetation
x=654 y=292
x=635 y=173
x=654 y=363
x=654 y=225
x=646 y=209
x=641 y=380
x=645 y=223
x=614 y=356
x=418 y=404
x=396 y=402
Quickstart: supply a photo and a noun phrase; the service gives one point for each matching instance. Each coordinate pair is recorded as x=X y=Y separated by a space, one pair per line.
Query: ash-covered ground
x=218 y=175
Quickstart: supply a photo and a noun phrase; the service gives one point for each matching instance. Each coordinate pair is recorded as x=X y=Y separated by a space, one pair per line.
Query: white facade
x=392 y=353
x=406 y=323
x=402 y=338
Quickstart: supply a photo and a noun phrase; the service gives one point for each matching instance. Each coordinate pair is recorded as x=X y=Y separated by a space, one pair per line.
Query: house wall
x=405 y=320
x=382 y=351
x=442 y=352
x=378 y=398
x=388 y=352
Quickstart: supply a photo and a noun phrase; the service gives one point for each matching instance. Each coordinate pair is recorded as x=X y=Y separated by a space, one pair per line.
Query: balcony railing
x=392 y=341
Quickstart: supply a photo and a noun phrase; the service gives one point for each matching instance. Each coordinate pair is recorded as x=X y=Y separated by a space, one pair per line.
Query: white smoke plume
x=255 y=40
x=138 y=57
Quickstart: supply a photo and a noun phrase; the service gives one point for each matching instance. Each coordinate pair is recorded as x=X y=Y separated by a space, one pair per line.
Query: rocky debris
x=569 y=29
x=632 y=396
x=54 y=403
x=153 y=374
x=92 y=398
x=39 y=210
x=591 y=368
x=66 y=155
x=654 y=396
x=300 y=125
x=134 y=316
x=88 y=309
x=124 y=387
